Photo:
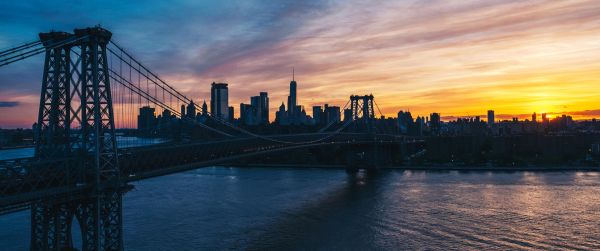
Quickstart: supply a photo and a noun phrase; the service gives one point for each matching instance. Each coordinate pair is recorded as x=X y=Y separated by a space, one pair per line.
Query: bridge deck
x=25 y=180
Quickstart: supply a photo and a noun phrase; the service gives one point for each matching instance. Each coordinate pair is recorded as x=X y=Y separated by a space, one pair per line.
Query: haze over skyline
x=455 y=58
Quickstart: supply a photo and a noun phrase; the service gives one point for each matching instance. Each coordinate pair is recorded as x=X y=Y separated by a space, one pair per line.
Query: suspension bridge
x=91 y=88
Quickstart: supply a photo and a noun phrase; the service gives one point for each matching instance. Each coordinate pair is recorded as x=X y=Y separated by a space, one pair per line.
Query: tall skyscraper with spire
x=292 y=97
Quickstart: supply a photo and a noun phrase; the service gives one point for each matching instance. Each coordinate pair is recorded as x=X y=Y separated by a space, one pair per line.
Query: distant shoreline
x=438 y=168
x=16 y=147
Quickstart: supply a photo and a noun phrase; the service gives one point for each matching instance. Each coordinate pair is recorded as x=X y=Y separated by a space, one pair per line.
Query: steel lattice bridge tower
x=78 y=173
x=362 y=107
x=76 y=119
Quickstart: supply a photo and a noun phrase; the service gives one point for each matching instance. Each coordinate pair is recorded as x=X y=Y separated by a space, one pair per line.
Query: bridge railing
x=23 y=180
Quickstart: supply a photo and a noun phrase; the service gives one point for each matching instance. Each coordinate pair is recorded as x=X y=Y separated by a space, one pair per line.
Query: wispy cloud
x=453 y=57
x=8 y=104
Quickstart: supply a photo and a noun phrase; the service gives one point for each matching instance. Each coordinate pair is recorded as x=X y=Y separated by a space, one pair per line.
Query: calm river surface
x=219 y=208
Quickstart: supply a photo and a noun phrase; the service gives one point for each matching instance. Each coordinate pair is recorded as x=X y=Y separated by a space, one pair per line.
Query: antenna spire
x=293 y=74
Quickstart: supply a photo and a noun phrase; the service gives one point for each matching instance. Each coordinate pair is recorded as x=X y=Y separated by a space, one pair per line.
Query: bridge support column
x=51 y=226
x=99 y=209
x=100 y=220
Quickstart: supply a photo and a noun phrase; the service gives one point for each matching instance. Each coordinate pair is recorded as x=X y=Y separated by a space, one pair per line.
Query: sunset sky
x=458 y=58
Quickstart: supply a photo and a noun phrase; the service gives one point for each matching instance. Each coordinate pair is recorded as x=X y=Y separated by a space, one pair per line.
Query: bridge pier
x=50 y=226
x=81 y=80
x=100 y=221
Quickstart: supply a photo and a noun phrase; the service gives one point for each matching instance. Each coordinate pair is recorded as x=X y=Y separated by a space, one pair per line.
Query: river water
x=219 y=208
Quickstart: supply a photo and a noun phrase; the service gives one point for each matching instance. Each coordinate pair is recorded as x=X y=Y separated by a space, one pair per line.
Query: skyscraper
x=317 y=114
x=490 y=118
x=436 y=123
x=292 y=98
x=264 y=108
x=545 y=119
x=230 y=114
x=191 y=110
x=331 y=114
x=281 y=116
x=146 y=119
x=219 y=101
x=204 y=108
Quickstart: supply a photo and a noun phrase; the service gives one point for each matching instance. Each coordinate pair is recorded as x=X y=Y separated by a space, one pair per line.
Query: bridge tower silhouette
x=362 y=107
x=76 y=119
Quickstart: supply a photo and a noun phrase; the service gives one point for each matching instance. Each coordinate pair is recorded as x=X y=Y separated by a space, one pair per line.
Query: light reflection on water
x=306 y=209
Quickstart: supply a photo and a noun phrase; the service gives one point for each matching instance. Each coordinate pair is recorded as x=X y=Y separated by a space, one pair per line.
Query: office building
x=317 y=114
x=191 y=110
x=219 y=101
x=264 y=108
x=348 y=114
x=146 y=119
x=281 y=115
x=292 y=99
x=257 y=112
x=436 y=123
x=490 y=118
x=230 y=114
x=332 y=114
x=204 y=109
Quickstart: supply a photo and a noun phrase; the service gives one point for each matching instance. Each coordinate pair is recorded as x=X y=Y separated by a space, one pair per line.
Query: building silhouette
x=317 y=114
x=230 y=114
x=490 y=118
x=191 y=110
x=219 y=101
x=281 y=115
x=146 y=119
x=405 y=122
x=296 y=115
x=348 y=114
x=436 y=123
x=292 y=99
x=264 y=108
x=332 y=114
x=257 y=112
x=204 y=109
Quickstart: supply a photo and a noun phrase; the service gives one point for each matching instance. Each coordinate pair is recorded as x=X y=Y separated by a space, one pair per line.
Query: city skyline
x=458 y=59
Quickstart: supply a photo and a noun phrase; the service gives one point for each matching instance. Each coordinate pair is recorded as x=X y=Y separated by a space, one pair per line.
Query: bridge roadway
x=23 y=181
